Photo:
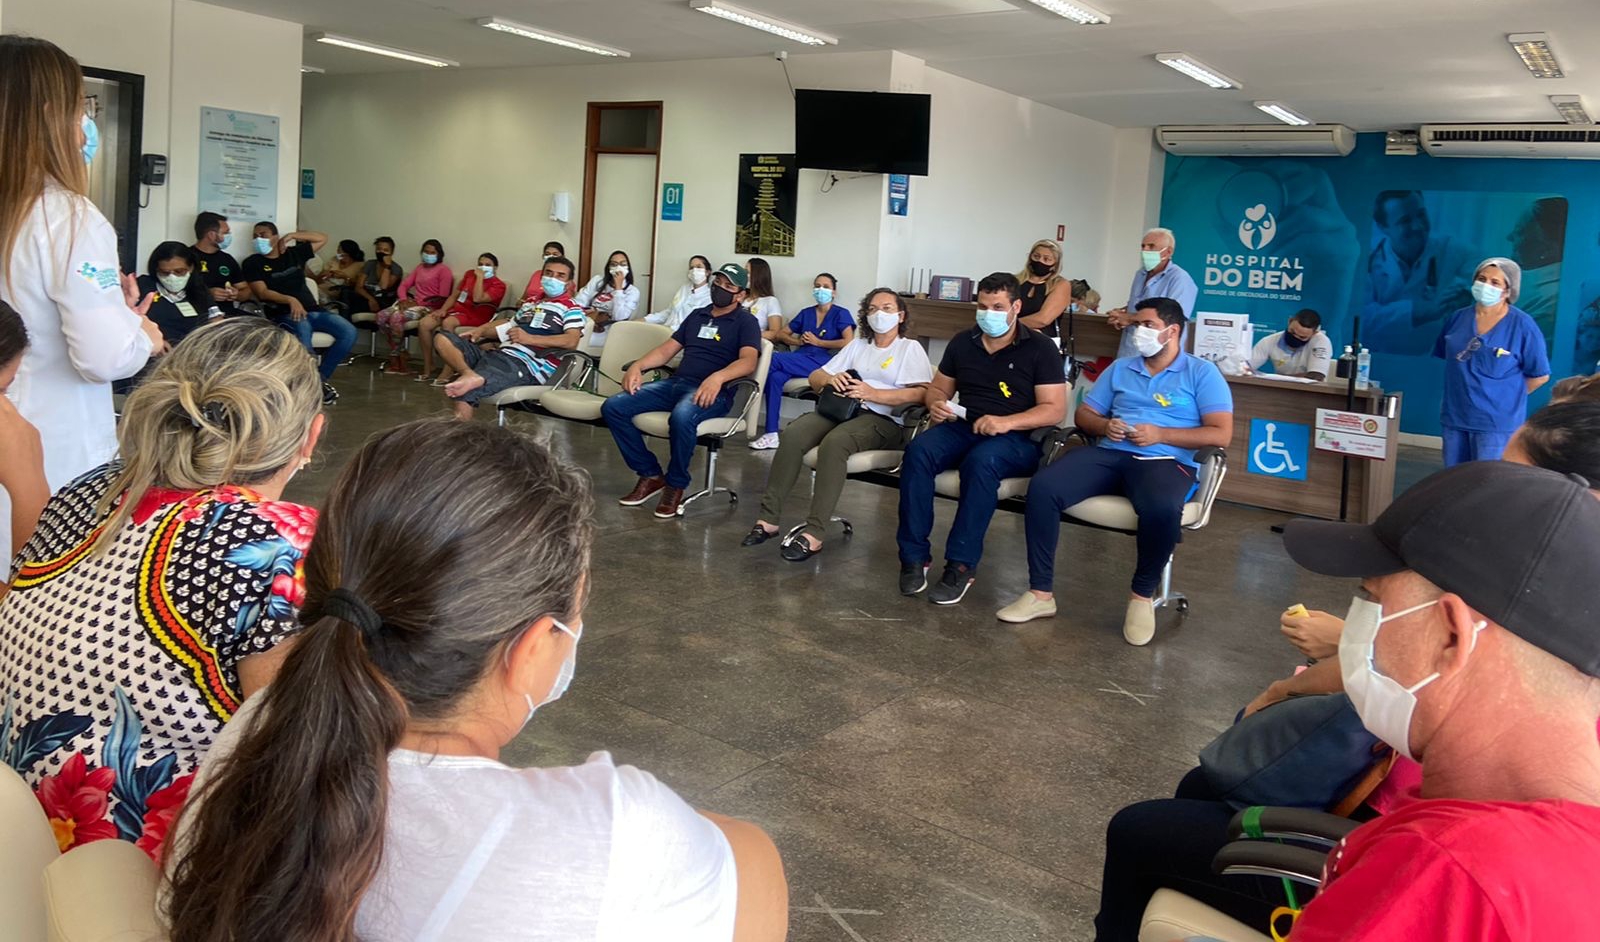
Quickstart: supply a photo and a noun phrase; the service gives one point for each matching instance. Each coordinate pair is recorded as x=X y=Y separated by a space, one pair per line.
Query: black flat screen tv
x=862 y=132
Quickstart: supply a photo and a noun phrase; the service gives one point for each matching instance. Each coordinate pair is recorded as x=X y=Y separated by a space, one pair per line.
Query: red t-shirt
x=1463 y=871
x=470 y=313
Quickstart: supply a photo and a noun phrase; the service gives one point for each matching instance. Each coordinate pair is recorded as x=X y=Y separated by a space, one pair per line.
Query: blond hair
x=1055 y=272
x=231 y=404
x=41 y=106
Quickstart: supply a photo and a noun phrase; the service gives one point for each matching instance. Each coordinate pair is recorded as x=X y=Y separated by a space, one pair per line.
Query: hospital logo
x=1258 y=228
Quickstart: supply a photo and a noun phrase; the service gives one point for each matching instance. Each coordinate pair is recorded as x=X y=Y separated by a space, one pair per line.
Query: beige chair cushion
x=1108 y=510
x=796 y=386
x=1173 y=917
x=948 y=484
x=363 y=317
x=102 y=892
x=320 y=340
x=517 y=394
x=655 y=423
x=625 y=342
x=573 y=403
x=874 y=460
x=27 y=846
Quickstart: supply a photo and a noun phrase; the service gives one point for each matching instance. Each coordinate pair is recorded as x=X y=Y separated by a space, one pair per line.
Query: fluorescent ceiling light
x=546 y=36
x=1282 y=113
x=1534 y=48
x=311 y=68
x=761 y=21
x=1571 y=109
x=1080 y=13
x=393 y=53
x=1196 y=69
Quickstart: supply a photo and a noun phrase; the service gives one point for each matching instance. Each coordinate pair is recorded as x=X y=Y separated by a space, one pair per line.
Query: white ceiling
x=1371 y=64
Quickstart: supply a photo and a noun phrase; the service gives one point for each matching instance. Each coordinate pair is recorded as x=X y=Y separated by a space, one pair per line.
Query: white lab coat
x=64 y=279
x=688 y=300
x=601 y=296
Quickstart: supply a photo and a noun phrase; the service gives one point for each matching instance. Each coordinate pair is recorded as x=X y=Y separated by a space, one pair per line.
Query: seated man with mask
x=1151 y=412
x=1009 y=380
x=1471 y=648
x=1302 y=349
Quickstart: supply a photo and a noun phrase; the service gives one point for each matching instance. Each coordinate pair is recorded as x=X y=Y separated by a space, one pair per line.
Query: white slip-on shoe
x=1026 y=608
x=1139 y=625
x=766 y=442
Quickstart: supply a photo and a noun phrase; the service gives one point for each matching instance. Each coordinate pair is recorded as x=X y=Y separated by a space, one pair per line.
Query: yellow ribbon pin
x=1005 y=390
x=885 y=364
x=1163 y=400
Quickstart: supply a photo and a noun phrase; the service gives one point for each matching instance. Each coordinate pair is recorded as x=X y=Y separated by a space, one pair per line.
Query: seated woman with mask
x=691 y=296
x=362 y=796
x=182 y=302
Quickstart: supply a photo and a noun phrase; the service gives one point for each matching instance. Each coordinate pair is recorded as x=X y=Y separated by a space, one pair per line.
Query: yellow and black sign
x=769 y=186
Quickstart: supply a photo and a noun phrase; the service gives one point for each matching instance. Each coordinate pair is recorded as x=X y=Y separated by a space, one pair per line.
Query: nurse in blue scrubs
x=1494 y=356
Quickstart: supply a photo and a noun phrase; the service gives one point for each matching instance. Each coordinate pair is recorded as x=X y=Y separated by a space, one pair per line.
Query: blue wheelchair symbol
x=1279 y=449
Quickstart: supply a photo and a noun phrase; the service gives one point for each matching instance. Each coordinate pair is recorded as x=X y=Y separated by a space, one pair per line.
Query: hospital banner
x=1393 y=241
x=768 y=199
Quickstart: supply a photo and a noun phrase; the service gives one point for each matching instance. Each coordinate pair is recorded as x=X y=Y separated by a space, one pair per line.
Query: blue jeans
x=342 y=331
x=1157 y=490
x=984 y=461
x=666 y=395
x=1461 y=445
x=786 y=366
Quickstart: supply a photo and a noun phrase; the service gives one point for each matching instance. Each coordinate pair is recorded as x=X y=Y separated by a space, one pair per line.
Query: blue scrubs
x=1485 y=382
x=798 y=364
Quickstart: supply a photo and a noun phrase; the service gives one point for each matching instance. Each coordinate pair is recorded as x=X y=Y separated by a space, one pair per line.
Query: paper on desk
x=1306 y=380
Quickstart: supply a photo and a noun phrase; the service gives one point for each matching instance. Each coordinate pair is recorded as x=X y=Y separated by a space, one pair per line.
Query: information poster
x=899 y=194
x=239 y=165
x=769 y=187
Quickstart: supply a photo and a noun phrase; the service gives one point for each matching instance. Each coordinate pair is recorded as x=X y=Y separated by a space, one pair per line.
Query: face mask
x=994 y=323
x=697 y=276
x=1038 y=268
x=428 y=258
x=1293 y=342
x=548 y=257
x=1150 y=259
x=1486 y=294
x=1147 y=340
x=1072 y=308
x=619 y=269
x=553 y=287
x=225 y=241
x=563 y=677
x=823 y=295
x=882 y=322
x=263 y=245
x=174 y=284
x=1385 y=707
x=721 y=297
x=91 y=139
x=488 y=270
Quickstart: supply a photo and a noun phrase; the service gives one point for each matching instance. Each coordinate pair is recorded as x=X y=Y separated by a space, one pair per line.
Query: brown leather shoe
x=671 y=497
x=642 y=491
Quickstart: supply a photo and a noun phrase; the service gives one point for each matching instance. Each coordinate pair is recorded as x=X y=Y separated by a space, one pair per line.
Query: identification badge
x=186 y=309
x=462 y=297
x=708 y=332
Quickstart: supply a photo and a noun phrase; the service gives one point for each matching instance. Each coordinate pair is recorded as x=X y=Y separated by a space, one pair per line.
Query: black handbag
x=837 y=408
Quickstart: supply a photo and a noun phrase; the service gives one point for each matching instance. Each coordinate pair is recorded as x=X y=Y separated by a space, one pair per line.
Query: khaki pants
x=835 y=443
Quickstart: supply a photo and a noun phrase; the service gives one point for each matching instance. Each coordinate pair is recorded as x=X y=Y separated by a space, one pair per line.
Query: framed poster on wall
x=239 y=164
x=769 y=186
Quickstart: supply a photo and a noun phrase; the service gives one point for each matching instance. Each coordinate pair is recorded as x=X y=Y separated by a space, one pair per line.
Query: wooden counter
x=927 y=319
x=1371 y=481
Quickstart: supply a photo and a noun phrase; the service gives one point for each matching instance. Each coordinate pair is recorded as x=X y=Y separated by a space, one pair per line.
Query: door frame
x=591 y=166
x=126 y=220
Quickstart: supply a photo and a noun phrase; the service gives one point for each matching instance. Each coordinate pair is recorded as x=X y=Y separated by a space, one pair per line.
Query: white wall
x=1136 y=208
x=190 y=54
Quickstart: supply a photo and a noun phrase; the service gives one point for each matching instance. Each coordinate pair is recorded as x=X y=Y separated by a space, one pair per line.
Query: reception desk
x=927 y=320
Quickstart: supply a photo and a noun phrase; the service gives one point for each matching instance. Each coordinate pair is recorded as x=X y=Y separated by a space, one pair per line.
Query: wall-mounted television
x=864 y=132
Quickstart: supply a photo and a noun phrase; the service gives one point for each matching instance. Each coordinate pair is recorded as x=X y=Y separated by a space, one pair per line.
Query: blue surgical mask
x=225 y=241
x=91 y=139
x=823 y=295
x=429 y=258
x=553 y=287
x=994 y=323
x=1072 y=308
x=263 y=245
x=1486 y=294
x=1150 y=259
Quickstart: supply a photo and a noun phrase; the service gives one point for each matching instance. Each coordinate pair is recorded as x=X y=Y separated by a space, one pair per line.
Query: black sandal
x=798 y=550
x=757 y=536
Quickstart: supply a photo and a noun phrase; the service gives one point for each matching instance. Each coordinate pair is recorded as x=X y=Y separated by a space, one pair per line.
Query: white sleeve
x=585 y=297
x=914 y=365
x=1321 y=356
x=105 y=340
x=624 y=304
x=1262 y=351
x=673 y=875
x=844 y=360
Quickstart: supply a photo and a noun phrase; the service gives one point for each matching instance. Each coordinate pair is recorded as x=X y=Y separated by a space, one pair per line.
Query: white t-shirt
x=688 y=300
x=478 y=850
x=601 y=296
x=764 y=308
x=1316 y=356
x=902 y=363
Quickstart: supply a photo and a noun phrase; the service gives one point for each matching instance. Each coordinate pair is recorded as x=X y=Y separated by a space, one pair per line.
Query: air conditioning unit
x=1512 y=140
x=1256 y=140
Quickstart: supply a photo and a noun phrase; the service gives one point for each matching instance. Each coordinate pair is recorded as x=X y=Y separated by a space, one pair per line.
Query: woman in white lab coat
x=692 y=295
x=610 y=296
x=59 y=268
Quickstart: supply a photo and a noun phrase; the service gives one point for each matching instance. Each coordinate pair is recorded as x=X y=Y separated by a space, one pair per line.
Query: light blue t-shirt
x=1180 y=396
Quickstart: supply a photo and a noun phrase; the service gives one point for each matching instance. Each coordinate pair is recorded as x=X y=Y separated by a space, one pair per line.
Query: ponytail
x=286 y=836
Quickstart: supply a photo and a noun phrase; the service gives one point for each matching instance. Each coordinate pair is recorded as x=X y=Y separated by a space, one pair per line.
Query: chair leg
x=711 y=481
x=1168 y=597
x=500 y=416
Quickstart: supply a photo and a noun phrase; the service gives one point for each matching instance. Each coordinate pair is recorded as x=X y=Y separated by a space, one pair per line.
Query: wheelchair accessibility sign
x=1279 y=449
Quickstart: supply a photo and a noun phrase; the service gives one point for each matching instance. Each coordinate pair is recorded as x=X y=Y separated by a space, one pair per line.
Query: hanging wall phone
x=152 y=172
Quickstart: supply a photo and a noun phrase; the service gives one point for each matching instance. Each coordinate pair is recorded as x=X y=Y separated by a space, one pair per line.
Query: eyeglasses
x=883 y=310
x=1473 y=347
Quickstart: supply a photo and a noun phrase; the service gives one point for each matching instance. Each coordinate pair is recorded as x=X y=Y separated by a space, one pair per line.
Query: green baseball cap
x=736 y=274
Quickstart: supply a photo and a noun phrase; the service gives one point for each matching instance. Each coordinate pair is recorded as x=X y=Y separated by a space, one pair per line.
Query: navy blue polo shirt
x=1001 y=383
x=712 y=343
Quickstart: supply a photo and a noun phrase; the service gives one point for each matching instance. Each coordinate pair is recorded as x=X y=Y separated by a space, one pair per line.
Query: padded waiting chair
x=1171 y=916
x=533 y=392
x=741 y=417
x=30 y=847
x=877 y=461
x=948 y=483
x=585 y=387
x=1113 y=512
x=105 y=890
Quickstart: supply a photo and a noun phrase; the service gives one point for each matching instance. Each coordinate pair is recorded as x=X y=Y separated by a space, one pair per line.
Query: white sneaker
x=1139 y=625
x=1027 y=608
x=766 y=442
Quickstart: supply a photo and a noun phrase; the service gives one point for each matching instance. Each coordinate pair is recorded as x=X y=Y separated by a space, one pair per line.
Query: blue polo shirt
x=712 y=343
x=1178 y=397
x=1485 y=389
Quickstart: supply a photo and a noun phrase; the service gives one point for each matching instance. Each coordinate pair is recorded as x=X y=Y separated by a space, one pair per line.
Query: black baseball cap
x=1519 y=544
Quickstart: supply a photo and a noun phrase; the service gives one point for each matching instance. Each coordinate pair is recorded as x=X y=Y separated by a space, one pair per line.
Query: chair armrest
x=1057 y=438
x=743 y=389
x=1291 y=824
x=1213 y=467
x=668 y=370
x=1270 y=859
x=573 y=370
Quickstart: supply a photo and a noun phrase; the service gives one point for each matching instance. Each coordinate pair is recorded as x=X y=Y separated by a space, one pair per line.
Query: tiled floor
x=928 y=773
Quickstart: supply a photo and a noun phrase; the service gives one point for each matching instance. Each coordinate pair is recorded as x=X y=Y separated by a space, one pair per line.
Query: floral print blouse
x=119 y=668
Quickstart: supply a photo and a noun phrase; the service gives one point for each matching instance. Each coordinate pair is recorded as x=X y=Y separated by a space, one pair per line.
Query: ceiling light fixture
x=761 y=21
x=311 y=68
x=1080 y=13
x=1534 y=48
x=346 y=42
x=545 y=36
x=1285 y=114
x=1571 y=109
x=1196 y=69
